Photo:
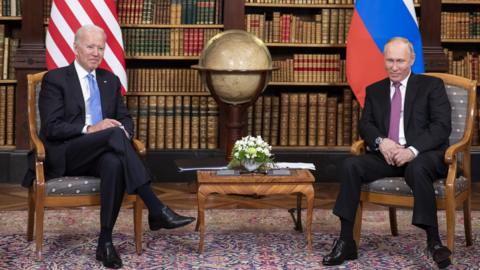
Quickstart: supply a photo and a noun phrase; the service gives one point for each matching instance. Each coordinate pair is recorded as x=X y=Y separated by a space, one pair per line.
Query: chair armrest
x=139 y=147
x=38 y=147
x=358 y=148
x=453 y=149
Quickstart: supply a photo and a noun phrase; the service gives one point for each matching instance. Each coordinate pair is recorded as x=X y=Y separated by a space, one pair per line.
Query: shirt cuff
x=415 y=151
x=84 y=129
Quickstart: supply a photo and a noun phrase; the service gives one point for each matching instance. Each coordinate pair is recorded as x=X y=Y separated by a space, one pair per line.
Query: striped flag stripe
x=67 y=16
x=57 y=59
x=60 y=42
x=96 y=17
x=110 y=19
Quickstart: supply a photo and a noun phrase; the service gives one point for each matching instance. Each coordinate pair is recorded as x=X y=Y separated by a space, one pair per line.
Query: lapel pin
x=104 y=81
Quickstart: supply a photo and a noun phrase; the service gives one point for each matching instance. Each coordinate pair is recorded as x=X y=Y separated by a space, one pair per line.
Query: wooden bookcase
x=31 y=59
x=10 y=24
x=460 y=36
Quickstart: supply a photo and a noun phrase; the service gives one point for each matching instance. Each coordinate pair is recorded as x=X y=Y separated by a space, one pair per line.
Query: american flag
x=67 y=16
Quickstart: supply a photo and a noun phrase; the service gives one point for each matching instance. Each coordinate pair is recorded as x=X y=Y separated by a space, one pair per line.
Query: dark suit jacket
x=427 y=113
x=62 y=113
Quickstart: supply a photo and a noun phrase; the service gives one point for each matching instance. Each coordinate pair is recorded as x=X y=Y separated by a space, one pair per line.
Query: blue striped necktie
x=94 y=105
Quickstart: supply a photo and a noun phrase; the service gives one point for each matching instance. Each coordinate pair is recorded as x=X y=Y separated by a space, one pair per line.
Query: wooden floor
x=182 y=196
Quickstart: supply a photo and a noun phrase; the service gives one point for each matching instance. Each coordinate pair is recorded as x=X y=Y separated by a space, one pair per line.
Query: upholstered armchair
x=451 y=192
x=64 y=191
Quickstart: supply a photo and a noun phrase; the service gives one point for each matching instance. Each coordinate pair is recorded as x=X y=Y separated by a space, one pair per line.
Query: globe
x=238 y=64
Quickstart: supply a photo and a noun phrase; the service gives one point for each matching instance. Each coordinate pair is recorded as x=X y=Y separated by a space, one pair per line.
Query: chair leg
x=467 y=221
x=357 y=228
x=39 y=213
x=31 y=214
x=137 y=223
x=392 y=213
x=450 y=213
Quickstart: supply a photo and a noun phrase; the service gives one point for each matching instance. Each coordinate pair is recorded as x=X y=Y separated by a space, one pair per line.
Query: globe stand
x=235 y=113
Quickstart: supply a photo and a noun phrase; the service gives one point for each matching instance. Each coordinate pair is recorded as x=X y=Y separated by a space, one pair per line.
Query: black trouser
x=419 y=174
x=109 y=155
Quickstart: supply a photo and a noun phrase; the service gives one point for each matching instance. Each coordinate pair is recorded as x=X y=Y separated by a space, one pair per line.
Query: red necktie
x=395 y=109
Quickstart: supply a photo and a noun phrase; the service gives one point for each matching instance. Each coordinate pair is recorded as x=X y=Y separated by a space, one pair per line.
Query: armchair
x=451 y=192
x=63 y=191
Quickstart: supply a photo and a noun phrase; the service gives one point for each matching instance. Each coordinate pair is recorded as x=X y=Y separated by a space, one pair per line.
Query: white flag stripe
x=411 y=9
x=79 y=12
x=62 y=26
x=110 y=20
x=54 y=52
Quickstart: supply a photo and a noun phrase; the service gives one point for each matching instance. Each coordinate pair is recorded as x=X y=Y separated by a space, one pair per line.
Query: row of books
x=8 y=48
x=11 y=8
x=305 y=119
x=328 y=27
x=163 y=42
x=170 y=11
x=7 y=115
x=175 y=122
x=465 y=64
x=164 y=80
x=460 y=25
x=310 y=68
x=319 y=2
x=303 y=2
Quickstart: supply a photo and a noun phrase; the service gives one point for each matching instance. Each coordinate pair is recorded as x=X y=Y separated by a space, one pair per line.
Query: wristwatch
x=378 y=141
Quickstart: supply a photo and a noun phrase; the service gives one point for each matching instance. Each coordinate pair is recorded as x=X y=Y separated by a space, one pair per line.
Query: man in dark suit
x=405 y=123
x=87 y=130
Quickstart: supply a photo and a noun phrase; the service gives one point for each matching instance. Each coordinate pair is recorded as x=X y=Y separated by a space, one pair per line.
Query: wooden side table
x=299 y=181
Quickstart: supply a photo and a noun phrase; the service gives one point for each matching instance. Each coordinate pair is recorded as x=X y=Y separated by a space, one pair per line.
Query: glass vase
x=251 y=165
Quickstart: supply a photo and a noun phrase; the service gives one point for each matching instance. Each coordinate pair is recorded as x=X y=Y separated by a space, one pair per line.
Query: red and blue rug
x=235 y=239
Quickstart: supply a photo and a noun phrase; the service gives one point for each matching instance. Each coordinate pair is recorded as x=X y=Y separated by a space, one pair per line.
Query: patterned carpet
x=235 y=239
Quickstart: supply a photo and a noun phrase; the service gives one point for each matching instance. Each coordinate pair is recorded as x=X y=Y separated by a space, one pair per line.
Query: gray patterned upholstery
x=397 y=185
x=72 y=185
x=458 y=98
x=38 y=87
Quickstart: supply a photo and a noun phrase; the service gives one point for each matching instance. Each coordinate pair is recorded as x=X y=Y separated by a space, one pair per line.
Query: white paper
x=203 y=168
x=294 y=165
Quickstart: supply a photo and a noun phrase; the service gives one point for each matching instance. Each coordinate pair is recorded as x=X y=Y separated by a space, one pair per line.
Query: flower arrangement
x=251 y=153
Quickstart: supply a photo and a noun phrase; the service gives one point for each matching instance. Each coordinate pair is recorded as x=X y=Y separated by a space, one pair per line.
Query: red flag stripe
x=62 y=45
x=67 y=14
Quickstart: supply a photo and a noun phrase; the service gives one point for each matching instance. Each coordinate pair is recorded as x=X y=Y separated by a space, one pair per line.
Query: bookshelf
x=31 y=59
x=169 y=106
x=460 y=36
x=10 y=23
x=308 y=105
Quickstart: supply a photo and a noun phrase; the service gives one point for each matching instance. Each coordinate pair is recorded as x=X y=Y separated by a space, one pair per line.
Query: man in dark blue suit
x=406 y=123
x=87 y=130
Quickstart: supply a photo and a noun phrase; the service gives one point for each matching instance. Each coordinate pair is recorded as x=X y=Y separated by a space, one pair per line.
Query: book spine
x=169 y=122
x=161 y=127
x=152 y=122
x=186 y=116
x=212 y=123
x=203 y=122
x=293 y=119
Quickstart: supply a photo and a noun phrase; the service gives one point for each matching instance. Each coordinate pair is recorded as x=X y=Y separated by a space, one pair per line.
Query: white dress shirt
x=403 y=88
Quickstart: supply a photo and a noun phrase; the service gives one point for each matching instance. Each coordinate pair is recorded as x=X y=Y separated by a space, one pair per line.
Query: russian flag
x=374 y=22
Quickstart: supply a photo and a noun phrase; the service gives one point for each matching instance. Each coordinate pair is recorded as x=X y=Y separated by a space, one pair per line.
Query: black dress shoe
x=440 y=254
x=108 y=256
x=168 y=220
x=342 y=251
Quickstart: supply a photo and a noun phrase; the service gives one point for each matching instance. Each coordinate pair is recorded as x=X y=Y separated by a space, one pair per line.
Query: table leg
x=201 y=197
x=309 y=194
x=299 y=213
